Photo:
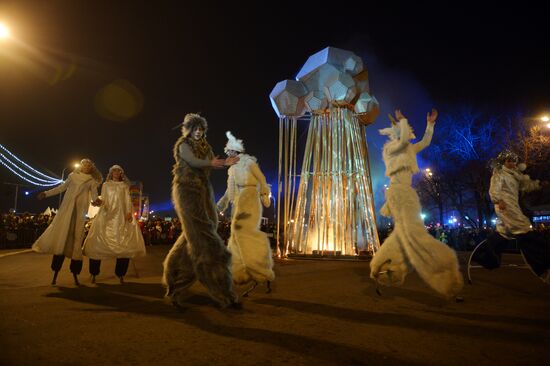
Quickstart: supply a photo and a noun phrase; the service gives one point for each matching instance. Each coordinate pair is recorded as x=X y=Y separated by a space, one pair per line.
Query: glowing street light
x=545 y=118
x=4 y=31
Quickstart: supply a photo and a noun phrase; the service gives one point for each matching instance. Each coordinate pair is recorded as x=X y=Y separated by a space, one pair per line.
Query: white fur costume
x=410 y=246
x=65 y=234
x=247 y=189
x=505 y=186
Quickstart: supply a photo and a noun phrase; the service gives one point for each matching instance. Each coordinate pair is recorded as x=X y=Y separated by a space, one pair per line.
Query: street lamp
x=75 y=166
x=4 y=31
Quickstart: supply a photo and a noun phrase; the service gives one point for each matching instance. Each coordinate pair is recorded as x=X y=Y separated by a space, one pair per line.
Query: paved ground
x=320 y=313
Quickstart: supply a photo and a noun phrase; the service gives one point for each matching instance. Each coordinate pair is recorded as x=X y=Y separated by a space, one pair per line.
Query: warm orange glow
x=4 y=31
x=545 y=118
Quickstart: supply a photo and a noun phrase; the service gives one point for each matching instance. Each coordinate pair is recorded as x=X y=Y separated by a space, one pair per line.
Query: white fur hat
x=233 y=143
x=394 y=132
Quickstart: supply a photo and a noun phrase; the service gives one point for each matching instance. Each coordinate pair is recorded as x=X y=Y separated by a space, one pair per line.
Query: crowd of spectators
x=21 y=230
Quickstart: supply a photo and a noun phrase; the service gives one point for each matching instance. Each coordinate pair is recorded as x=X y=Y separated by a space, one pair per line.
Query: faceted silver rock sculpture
x=341 y=59
x=287 y=98
x=354 y=64
x=367 y=108
x=316 y=80
x=340 y=88
x=362 y=81
x=316 y=101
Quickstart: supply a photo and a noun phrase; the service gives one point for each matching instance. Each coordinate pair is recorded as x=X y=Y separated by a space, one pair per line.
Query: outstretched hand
x=232 y=160
x=398 y=115
x=217 y=163
x=431 y=116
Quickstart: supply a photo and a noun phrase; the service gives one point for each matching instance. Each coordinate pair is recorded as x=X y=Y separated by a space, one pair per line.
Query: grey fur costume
x=199 y=253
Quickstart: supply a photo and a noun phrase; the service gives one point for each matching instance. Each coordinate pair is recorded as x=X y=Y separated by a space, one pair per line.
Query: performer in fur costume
x=199 y=252
x=507 y=182
x=410 y=246
x=64 y=237
x=247 y=190
x=115 y=232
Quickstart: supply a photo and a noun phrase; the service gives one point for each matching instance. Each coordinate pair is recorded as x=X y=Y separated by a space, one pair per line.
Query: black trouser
x=489 y=254
x=94 y=266
x=121 y=266
x=536 y=250
x=57 y=263
x=120 y=269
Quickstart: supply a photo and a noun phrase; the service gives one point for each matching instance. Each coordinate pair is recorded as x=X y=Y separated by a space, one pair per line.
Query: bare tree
x=464 y=144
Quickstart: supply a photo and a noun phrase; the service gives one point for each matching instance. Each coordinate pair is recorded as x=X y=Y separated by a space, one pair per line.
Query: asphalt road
x=320 y=313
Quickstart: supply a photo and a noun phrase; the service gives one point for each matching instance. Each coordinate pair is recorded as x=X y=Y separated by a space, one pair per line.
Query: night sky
x=223 y=61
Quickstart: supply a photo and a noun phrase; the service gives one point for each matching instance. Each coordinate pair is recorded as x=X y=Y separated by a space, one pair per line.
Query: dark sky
x=223 y=61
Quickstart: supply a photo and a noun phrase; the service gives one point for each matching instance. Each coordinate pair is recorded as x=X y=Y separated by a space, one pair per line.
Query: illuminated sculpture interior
x=328 y=208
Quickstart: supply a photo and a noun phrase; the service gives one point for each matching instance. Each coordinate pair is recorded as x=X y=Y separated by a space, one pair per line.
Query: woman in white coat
x=64 y=237
x=507 y=182
x=115 y=232
x=247 y=189
x=410 y=246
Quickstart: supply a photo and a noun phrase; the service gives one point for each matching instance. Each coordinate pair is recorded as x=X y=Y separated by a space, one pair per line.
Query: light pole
x=434 y=190
x=16 y=185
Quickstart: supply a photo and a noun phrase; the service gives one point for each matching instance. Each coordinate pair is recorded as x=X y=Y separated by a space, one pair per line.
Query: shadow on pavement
x=475 y=330
x=130 y=299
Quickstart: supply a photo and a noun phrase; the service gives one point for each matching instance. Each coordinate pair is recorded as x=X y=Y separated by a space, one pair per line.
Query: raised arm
x=427 y=139
x=405 y=134
x=57 y=190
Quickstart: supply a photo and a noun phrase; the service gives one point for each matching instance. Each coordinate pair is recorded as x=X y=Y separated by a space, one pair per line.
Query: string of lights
x=51 y=179
x=26 y=174
x=23 y=171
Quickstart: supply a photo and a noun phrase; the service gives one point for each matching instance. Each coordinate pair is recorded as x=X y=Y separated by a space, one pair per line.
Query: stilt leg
x=252 y=287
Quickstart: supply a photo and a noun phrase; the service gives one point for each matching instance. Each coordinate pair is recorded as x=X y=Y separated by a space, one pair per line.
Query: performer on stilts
x=64 y=237
x=115 y=232
x=199 y=253
x=409 y=246
x=507 y=182
x=247 y=190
